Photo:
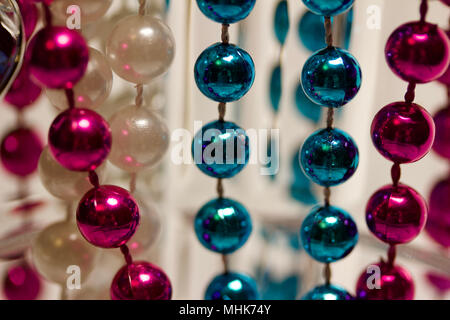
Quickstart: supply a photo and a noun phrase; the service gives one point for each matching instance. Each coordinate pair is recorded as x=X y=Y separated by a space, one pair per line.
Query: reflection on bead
x=328 y=7
x=224 y=72
x=331 y=77
x=438 y=222
x=226 y=11
x=328 y=234
x=90 y=10
x=232 y=286
x=21 y=282
x=442 y=140
x=327 y=292
x=221 y=149
x=223 y=225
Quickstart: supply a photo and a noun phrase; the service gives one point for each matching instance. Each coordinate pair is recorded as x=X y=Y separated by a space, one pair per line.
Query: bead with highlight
x=232 y=286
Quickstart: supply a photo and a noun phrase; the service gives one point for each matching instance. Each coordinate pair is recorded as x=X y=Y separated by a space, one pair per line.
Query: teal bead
x=276 y=88
x=223 y=225
x=226 y=11
x=328 y=234
x=311 y=31
x=328 y=292
x=301 y=187
x=328 y=8
x=306 y=107
x=281 y=21
x=232 y=286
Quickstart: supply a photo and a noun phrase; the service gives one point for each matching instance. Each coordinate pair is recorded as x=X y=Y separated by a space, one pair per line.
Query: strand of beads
x=224 y=73
x=403 y=132
x=331 y=77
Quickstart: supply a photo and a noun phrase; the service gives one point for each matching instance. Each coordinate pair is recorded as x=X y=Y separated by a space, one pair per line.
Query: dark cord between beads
x=225 y=37
x=327 y=274
x=222 y=110
x=226 y=263
x=328 y=32
x=126 y=254
x=142 y=7
x=392 y=254
x=48 y=16
x=410 y=92
x=93 y=179
x=327 y=195
x=423 y=10
x=396 y=174
x=70 y=98
x=219 y=188
x=330 y=118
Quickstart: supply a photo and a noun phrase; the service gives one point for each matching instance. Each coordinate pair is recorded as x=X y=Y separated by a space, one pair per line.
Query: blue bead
x=306 y=107
x=281 y=21
x=226 y=11
x=221 y=149
x=328 y=292
x=328 y=234
x=331 y=77
x=223 y=225
x=224 y=72
x=301 y=186
x=275 y=88
x=311 y=31
x=232 y=286
x=329 y=157
x=328 y=8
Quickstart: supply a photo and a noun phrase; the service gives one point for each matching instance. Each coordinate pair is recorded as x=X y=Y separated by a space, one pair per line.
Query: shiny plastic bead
x=328 y=8
x=441 y=143
x=23 y=92
x=21 y=282
x=232 y=286
x=226 y=11
x=438 y=223
x=327 y=292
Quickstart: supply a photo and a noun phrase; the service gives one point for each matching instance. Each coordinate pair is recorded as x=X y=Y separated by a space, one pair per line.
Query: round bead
x=20 y=151
x=447 y=2
x=59 y=57
x=140 y=138
x=79 y=139
x=442 y=139
x=331 y=77
x=221 y=149
x=23 y=92
x=107 y=216
x=327 y=292
x=141 y=281
x=329 y=157
x=403 y=132
x=223 y=225
x=92 y=90
x=328 y=8
x=21 y=283
x=311 y=31
x=232 y=286
x=30 y=16
x=445 y=78
x=396 y=214
x=90 y=10
x=224 y=72
x=59 y=246
x=395 y=283
x=132 y=41
x=226 y=11
x=438 y=222
x=328 y=234
x=418 y=52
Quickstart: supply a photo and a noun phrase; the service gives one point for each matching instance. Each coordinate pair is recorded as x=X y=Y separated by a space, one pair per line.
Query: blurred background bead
x=226 y=11
x=447 y=2
x=212 y=153
x=21 y=282
x=395 y=283
x=328 y=7
x=107 y=216
x=441 y=143
x=79 y=139
x=232 y=286
x=445 y=78
x=59 y=246
x=132 y=41
x=140 y=138
x=224 y=72
x=306 y=107
x=20 y=151
x=438 y=222
x=331 y=77
x=23 y=92
x=418 y=52
x=30 y=16
x=90 y=10
x=311 y=31
x=396 y=214
x=92 y=90
x=327 y=292
x=141 y=281
x=281 y=21
x=328 y=234
x=223 y=225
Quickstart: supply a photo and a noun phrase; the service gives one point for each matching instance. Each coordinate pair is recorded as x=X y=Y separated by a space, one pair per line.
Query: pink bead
x=58 y=57
x=30 y=16
x=21 y=283
x=79 y=139
x=141 y=281
x=447 y=2
x=20 y=151
x=403 y=132
x=23 y=91
x=438 y=223
x=107 y=216
x=442 y=140
x=395 y=283
x=396 y=214
x=418 y=52
x=445 y=78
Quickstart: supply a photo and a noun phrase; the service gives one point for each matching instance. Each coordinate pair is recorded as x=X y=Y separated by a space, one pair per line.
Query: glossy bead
x=418 y=52
x=232 y=286
x=441 y=143
x=58 y=57
x=59 y=246
x=140 y=138
x=396 y=214
x=403 y=132
x=30 y=16
x=328 y=234
x=132 y=41
x=331 y=77
x=79 y=139
x=20 y=151
x=311 y=31
x=90 y=10
x=107 y=216
x=223 y=225
x=395 y=283
x=438 y=222
x=92 y=90
x=224 y=72
x=328 y=8
x=329 y=157
x=327 y=292
x=23 y=92
x=281 y=21
x=226 y=11
x=141 y=281
x=445 y=78
x=21 y=282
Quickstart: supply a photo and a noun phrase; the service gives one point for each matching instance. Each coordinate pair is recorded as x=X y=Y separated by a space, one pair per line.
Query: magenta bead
x=442 y=140
x=30 y=16
x=20 y=151
x=79 y=139
x=438 y=223
x=59 y=57
x=396 y=214
x=445 y=78
x=21 y=283
x=403 y=132
x=23 y=91
x=107 y=216
x=447 y=2
x=395 y=283
x=418 y=52
x=141 y=281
